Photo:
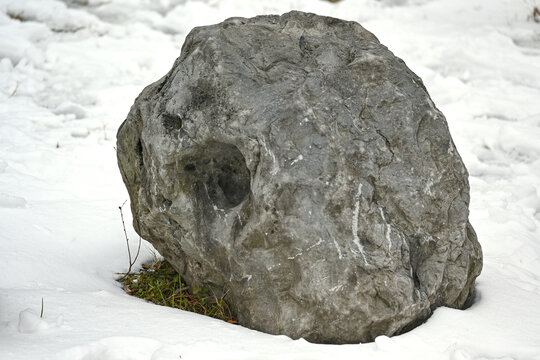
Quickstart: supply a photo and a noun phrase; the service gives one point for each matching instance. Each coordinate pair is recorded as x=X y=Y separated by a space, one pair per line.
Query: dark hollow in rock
x=296 y=165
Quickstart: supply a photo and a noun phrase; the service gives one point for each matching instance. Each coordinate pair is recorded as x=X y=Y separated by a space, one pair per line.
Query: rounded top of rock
x=303 y=37
x=296 y=23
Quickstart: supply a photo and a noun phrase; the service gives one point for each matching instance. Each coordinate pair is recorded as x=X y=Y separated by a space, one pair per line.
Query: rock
x=294 y=164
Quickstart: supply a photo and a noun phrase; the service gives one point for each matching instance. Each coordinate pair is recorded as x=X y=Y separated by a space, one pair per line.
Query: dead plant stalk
x=131 y=262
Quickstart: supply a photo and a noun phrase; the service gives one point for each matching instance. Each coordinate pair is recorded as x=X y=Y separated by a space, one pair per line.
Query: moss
x=162 y=285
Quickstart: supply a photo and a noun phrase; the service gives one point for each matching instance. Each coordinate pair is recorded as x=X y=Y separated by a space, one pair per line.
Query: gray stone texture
x=294 y=164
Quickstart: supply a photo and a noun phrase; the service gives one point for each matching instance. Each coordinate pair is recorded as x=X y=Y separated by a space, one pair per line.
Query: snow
x=30 y=322
x=69 y=71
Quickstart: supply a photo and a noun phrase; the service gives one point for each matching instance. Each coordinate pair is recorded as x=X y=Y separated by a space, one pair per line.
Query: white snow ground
x=69 y=72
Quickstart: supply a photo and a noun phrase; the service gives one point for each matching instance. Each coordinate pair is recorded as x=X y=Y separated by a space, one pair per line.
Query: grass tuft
x=162 y=285
x=16 y=16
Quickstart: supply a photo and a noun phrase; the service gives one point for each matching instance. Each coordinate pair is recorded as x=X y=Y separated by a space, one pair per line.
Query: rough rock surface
x=299 y=167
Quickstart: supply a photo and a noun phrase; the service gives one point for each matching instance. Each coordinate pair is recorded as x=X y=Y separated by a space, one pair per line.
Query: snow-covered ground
x=69 y=72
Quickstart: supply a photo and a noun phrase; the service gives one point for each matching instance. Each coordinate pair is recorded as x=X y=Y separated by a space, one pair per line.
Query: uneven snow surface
x=69 y=72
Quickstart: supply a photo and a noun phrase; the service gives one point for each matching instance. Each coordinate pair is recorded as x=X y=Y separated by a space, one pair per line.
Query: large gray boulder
x=294 y=164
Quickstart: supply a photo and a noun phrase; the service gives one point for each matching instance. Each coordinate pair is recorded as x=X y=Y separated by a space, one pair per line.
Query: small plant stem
x=125 y=234
x=131 y=262
x=41 y=315
x=161 y=294
x=180 y=284
x=15 y=90
x=173 y=290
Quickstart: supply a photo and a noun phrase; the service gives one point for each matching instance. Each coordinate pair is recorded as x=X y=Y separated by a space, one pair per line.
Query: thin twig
x=125 y=233
x=15 y=90
x=131 y=262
